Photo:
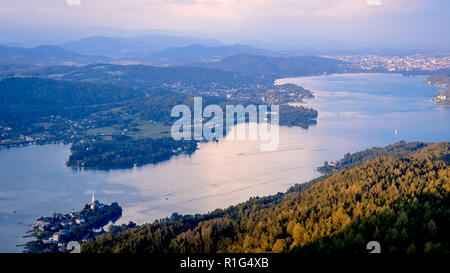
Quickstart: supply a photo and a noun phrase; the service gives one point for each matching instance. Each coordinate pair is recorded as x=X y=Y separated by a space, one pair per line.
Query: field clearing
x=146 y=129
x=150 y=129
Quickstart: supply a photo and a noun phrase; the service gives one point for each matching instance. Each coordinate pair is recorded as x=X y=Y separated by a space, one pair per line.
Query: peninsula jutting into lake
x=53 y=233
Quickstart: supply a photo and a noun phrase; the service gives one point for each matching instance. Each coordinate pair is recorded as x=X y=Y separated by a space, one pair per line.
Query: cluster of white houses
x=60 y=225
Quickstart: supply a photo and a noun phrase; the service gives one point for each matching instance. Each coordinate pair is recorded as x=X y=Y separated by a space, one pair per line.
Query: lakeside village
x=53 y=233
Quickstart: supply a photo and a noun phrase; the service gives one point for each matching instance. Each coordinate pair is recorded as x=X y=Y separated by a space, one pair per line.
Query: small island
x=53 y=233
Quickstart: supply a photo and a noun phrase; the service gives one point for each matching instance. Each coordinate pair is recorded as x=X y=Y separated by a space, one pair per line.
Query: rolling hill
x=24 y=100
x=181 y=78
x=401 y=202
x=278 y=66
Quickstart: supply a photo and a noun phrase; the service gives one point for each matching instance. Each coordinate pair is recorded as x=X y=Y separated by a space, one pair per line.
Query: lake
x=356 y=111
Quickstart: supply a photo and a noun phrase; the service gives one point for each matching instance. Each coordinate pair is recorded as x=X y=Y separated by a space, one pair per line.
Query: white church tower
x=93 y=202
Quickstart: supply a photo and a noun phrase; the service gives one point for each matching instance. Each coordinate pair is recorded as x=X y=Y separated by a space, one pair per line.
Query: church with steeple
x=93 y=202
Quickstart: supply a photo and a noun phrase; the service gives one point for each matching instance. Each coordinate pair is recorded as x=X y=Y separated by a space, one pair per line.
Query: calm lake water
x=356 y=111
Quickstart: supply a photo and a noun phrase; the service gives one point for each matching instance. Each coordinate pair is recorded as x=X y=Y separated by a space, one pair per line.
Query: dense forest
x=27 y=100
x=124 y=152
x=26 y=92
x=297 y=116
x=401 y=202
x=398 y=150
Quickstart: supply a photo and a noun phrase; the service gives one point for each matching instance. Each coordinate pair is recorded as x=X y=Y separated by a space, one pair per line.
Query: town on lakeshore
x=52 y=234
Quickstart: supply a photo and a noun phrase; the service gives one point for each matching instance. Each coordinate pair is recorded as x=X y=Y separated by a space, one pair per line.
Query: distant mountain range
x=201 y=53
x=150 y=49
x=159 y=49
x=132 y=48
x=44 y=55
x=171 y=50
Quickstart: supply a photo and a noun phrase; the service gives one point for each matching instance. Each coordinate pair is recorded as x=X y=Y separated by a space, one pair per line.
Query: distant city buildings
x=417 y=62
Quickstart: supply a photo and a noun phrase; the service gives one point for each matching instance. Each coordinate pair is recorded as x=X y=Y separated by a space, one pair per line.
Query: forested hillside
x=36 y=91
x=398 y=150
x=181 y=79
x=25 y=100
x=279 y=66
x=403 y=203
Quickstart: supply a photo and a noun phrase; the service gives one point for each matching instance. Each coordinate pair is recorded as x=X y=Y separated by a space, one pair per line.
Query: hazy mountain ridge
x=200 y=53
x=44 y=55
x=133 y=48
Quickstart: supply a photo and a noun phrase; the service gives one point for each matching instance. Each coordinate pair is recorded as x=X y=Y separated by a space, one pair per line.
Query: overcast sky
x=394 y=22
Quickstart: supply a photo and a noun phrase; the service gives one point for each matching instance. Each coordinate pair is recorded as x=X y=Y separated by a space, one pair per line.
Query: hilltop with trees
x=401 y=202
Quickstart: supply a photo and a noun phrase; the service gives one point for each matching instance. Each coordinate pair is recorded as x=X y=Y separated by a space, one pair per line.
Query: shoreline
x=442 y=81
